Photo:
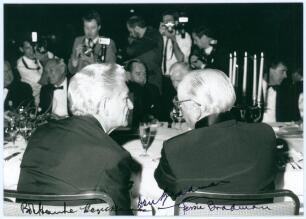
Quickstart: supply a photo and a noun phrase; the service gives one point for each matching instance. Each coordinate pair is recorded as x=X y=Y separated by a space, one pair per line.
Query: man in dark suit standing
x=146 y=44
x=76 y=154
x=90 y=48
x=219 y=154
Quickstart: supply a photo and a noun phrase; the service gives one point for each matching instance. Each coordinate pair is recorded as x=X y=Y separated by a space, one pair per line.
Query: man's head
x=177 y=72
x=203 y=37
x=205 y=92
x=8 y=74
x=138 y=72
x=26 y=47
x=169 y=17
x=92 y=24
x=277 y=72
x=136 y=26
x=54 y=72
x=100 y=90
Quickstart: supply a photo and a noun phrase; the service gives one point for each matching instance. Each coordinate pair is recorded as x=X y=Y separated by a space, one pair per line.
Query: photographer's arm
x=74 y=59
x=179 y=55
x=140 y=46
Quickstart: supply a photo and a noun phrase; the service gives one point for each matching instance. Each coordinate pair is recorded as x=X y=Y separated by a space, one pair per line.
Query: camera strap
x=26 y=65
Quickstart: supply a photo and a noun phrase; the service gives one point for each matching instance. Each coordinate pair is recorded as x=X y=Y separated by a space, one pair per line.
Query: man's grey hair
x=93 y=84
x=209 y=87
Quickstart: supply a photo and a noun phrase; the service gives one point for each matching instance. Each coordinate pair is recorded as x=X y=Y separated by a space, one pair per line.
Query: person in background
x=177 y=71
x=76 y=154
x=145 y=96
x=274 y=94
x=86 y=49
x=29 y=67
x=16 y=93
x=176 y=49
x=146 y=44
x=208 y=53
x=219 y=154
x=53 y=94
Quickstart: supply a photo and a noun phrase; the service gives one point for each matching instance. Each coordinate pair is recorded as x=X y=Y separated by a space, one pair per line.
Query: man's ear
x=99 y=27
x=21 y=49
x=197 y=110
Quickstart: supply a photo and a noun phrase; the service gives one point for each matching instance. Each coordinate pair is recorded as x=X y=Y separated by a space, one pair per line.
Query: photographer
x=207 y=52
x=176 y=48
x=88 y=49
x=29 y=67
x=176 y=45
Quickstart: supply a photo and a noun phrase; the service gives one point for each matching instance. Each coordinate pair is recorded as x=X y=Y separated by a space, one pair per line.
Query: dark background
x=274 y=28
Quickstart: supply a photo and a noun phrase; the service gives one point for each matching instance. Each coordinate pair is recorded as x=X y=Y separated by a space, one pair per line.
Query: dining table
x=151 y=200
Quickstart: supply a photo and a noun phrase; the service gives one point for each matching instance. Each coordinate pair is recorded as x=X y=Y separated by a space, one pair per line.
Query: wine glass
x=147 y=134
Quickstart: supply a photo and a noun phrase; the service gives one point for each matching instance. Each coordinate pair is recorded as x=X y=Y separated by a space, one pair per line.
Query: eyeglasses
x=178 y=103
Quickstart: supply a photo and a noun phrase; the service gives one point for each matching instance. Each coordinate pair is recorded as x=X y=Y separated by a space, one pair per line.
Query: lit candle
x=230 y=67
x=234 y=69
x=260 y=78
x=254 y=79
x=245 y=69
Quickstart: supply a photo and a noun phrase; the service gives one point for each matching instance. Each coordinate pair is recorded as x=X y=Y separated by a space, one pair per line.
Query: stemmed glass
x=147 y=132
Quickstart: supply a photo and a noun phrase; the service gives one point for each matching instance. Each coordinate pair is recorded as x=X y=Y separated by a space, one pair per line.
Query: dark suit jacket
x=46 y=97
x=149 y=50
x=146 y=101
x=109 y=58
x=225 y=156
x=75 y=155
x=19 y=94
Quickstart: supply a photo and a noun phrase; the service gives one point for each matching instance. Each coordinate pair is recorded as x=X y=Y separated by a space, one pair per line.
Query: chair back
x=83 y=204
x=188 y=204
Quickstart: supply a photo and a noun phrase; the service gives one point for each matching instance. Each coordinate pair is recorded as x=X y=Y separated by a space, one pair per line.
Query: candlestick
x=254 y=80
x=260 y=78
x=230 y=74
x=234 y=69
x=245 y=69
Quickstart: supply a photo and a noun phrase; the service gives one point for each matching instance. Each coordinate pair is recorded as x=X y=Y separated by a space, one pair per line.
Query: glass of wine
x=147 y=134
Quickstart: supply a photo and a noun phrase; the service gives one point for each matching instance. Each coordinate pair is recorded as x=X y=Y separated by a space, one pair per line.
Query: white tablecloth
x=148 y=188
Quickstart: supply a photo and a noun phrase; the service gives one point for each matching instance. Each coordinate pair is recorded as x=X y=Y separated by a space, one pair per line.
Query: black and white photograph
x=156 y=108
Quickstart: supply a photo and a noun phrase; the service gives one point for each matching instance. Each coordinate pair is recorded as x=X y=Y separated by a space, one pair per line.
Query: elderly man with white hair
x=219 y=154
x=76 y=154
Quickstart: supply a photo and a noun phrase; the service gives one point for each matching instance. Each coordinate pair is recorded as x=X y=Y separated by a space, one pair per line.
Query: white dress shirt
x=185 y=46
x=59 y=104
x=30 y=74
x=269 y=95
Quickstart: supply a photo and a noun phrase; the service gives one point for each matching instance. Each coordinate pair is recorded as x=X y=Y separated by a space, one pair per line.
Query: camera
x=170 y=27
x=182 y=22
x=39 y=44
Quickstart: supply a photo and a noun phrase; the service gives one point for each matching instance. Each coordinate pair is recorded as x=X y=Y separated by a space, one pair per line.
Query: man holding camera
x=91 y=48
x=177 y=46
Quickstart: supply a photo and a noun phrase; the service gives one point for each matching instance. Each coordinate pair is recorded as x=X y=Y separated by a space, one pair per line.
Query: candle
x=260 y=78
x=234 y=69
x=245 y=69
x=254 y=79
x=230 y=66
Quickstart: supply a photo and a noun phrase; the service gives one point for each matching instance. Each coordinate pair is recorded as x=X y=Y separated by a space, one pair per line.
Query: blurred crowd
x=155 y=60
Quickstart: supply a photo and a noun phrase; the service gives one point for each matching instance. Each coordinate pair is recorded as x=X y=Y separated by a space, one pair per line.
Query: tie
x=165 y=57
